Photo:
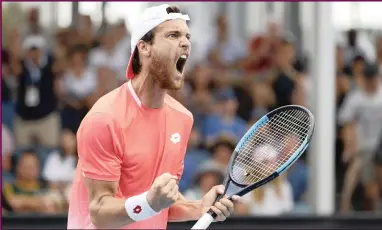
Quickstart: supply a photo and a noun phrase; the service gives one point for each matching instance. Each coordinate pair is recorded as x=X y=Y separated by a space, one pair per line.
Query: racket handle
x=204 y=221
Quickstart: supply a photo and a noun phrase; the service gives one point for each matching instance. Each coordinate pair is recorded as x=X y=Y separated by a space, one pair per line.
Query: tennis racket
x=267 y=150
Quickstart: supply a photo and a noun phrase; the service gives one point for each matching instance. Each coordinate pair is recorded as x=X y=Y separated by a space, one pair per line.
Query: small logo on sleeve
x=137 y=209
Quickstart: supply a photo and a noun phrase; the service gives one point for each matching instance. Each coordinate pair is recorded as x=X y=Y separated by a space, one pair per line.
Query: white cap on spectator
x=151 y=18
x=34 y=41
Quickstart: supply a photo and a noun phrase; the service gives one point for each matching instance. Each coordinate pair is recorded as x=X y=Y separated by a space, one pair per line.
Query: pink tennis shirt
x=122 y=140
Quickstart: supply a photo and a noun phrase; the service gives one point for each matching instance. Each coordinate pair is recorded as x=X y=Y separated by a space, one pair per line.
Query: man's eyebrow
x=188 y=35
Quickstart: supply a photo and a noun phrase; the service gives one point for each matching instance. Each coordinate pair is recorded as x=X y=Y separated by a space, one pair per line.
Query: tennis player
x=131 y=144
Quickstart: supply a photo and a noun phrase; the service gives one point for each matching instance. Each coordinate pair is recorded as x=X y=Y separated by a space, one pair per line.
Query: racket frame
x=244 y=189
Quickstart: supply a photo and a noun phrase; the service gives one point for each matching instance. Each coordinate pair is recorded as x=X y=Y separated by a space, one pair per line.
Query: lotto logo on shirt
x=175 y=138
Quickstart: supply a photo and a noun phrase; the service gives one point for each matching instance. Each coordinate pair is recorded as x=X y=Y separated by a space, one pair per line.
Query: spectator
x=298 y=178
x=263 y=99
x=36 y=100
x=59 y=181
x=200 y=99
x=6 y=91
x=78 y=88
x=33 y=23
x=8 y=148
x=284 y=76
x=225 y=80
x=123 y=37
x=25 y=195
x=222 y=151
x=356 y=71
x=227 y=51
x=208 y=175
x=262 y=49
x=273 y=198
x=352 y=48
x=360 y=113
x=86 y=31
x=110 y=56
x=195 y=155
x=64 y=159
x=224 y=120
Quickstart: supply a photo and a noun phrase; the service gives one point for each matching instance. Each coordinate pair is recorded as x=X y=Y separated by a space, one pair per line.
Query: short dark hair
x=149 y=38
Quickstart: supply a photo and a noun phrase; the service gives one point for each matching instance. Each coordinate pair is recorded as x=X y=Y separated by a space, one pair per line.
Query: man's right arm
x=100 y=148
x=106 y=211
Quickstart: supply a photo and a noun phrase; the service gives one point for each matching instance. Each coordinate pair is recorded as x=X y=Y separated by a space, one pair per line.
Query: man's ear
x=144 y=48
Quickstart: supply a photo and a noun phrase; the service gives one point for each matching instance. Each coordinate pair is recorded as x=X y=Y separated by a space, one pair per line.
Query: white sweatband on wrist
x=138 y=208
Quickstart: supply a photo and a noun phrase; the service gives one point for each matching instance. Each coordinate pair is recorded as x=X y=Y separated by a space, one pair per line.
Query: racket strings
x=272 y=142
x=271 y=146
x=276 y=147
x=258 y=169
x=271 y=139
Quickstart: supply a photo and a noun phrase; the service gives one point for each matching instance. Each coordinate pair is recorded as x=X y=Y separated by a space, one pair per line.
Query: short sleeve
x=100 y=148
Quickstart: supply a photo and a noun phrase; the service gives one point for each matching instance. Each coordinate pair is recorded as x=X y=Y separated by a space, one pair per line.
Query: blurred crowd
x=50 y=82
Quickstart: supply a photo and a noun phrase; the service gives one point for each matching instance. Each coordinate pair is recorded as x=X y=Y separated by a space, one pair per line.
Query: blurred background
x=247 y=58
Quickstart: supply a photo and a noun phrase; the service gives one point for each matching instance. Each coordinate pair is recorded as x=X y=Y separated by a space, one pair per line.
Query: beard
x=163 y=73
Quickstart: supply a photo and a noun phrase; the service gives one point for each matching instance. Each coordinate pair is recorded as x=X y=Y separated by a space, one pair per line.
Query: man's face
x=169 y=53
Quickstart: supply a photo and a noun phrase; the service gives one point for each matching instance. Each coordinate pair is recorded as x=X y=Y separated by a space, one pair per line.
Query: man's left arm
x=185 y=210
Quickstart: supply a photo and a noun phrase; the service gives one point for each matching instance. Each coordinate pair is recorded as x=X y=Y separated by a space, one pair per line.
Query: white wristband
x=138 y=208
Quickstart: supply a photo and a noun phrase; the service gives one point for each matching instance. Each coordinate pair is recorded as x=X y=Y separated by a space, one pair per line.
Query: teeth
x=183 y=56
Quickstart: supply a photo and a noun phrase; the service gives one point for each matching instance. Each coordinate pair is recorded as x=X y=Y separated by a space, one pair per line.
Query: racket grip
x=204 y=221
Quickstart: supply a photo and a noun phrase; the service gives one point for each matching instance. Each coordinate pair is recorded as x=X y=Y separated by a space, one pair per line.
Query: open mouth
x=181 y=63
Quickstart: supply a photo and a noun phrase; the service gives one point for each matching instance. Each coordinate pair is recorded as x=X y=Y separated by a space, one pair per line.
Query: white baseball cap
x=150 y=18
x=34 y=41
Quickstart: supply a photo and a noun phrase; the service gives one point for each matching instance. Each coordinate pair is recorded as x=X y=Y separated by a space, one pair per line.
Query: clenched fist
x=163 y=193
